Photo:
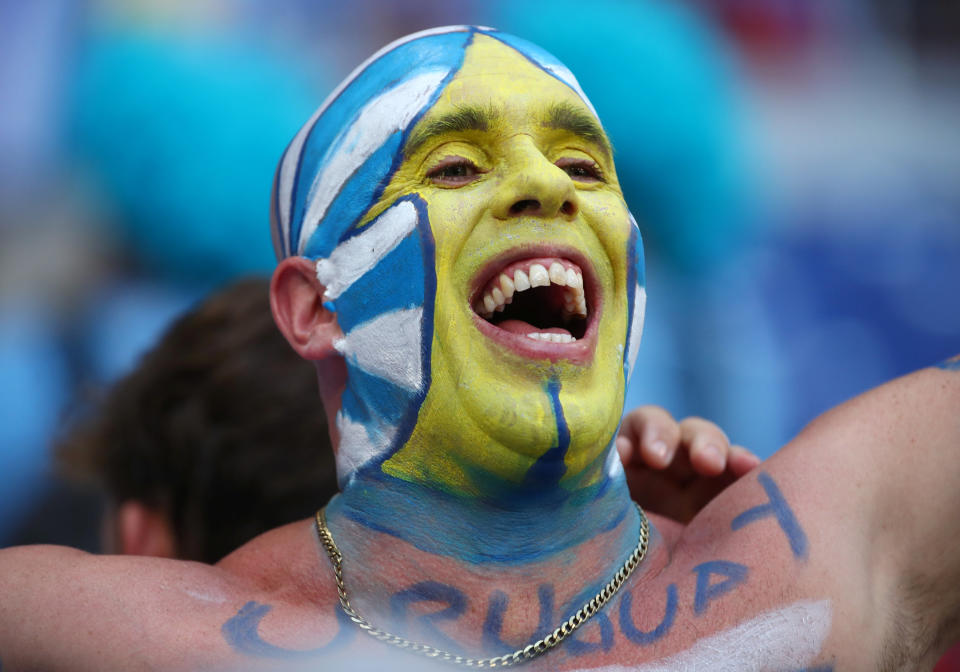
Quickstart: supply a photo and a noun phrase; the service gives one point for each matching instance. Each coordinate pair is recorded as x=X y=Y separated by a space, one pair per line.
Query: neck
x=507 y=574
x=505 y=528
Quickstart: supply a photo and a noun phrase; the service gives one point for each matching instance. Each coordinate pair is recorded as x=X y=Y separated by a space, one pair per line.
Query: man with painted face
x=459 y=261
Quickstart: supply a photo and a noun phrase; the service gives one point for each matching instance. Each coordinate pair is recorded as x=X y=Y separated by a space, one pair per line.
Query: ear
x=143 y=531
x=296 y=298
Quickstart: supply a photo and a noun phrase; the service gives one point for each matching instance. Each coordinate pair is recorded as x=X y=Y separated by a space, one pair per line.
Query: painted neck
x=504 y=528
x=505 y=577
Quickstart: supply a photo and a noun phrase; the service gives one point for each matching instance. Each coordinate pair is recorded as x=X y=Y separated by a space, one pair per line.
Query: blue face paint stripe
x=405 y=426
x=635 y=634
x=639 y=260
x=241 y=632
x=546 y=472
x=776 y=507
x=365 y=300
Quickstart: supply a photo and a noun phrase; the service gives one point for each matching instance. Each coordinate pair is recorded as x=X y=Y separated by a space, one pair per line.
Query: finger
x=707 y=445
x=625 y=449
x=654 y=431
x=740 y=461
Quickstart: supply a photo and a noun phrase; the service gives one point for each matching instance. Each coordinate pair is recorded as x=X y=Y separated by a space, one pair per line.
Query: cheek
x=614 y=229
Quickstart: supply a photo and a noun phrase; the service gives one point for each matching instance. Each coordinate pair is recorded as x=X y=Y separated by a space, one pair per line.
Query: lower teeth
x=551 y=338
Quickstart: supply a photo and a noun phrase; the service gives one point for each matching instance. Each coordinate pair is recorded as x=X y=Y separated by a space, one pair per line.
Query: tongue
x=524 y=328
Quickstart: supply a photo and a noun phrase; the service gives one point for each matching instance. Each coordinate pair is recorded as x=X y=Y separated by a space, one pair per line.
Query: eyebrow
x=466 y=118
x=568 y=117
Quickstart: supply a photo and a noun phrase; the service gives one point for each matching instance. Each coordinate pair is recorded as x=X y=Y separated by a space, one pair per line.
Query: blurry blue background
x=794 y=165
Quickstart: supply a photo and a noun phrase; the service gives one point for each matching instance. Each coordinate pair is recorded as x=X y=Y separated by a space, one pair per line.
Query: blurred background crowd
x=794 y=166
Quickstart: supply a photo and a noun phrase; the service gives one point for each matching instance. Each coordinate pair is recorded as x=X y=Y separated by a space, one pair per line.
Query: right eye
x=453 y=171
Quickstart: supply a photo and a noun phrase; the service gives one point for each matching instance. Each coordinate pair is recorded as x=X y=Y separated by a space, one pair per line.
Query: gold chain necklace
x=523 y=655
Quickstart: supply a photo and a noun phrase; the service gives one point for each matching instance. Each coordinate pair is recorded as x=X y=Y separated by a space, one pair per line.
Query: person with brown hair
x=194 y=447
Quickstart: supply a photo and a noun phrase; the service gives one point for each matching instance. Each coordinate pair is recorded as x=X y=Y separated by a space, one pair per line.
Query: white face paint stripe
x=614 y=465
x=357 y=446
x=355 y=256
x=636 y=327
x=782 y=639
x=378 y=120
x=388 y=346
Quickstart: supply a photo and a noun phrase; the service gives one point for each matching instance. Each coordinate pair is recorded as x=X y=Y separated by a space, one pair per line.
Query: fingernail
x=712 y=453
x=659 y=448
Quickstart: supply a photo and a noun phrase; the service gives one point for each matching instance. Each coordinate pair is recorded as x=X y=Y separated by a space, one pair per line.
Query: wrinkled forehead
x=338 y=164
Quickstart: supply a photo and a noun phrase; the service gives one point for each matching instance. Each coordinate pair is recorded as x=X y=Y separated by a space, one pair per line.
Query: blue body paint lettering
x=497 y=606
x=241 y=633
x=818 y=668
x=635 y=634
x=546 y=597
x=493 y=622
x=579 y=647
x=707 y=592
x=778 y=508
x=431 y=591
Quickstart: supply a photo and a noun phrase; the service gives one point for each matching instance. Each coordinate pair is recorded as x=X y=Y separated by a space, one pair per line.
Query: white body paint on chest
x=784 y=639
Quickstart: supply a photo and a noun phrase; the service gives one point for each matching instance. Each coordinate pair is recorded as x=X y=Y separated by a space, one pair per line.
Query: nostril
x=568 y=208
x=526 y=205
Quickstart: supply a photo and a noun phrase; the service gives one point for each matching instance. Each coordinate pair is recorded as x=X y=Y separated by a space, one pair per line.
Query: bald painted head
x=456 y=253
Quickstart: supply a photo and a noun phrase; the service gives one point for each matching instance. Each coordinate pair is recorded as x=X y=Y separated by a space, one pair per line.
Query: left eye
x=453 y=172
x=581 y=170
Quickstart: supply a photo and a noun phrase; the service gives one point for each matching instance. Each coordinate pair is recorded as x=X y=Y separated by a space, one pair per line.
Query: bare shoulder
x=287 y=558
x=828 y=536
x=64 y=609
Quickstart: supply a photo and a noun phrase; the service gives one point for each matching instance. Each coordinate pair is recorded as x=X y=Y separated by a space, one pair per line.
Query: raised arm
x=877 y=481
x=63 y=609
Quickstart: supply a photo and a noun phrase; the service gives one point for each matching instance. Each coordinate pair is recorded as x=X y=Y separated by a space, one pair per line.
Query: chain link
x=523 y=655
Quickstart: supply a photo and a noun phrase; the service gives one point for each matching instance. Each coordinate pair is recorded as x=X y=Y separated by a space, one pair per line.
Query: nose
x=533 y=186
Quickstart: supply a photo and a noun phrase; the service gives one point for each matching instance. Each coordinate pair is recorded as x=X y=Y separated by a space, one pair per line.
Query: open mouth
x=533 y=302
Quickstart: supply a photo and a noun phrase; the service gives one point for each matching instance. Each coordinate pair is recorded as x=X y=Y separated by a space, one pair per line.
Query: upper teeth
x=500 y=292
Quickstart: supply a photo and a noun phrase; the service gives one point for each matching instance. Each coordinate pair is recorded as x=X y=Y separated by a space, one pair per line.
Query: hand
x=674 y=469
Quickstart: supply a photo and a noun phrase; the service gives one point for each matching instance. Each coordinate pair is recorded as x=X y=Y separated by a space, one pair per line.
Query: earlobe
x=143 y=531
x=296 y=299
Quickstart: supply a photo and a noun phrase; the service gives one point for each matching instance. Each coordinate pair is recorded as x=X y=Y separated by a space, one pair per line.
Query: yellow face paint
x=491 y=147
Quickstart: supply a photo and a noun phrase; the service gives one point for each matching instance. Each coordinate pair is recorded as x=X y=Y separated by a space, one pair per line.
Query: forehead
x=496 y=76
x=331 y=178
